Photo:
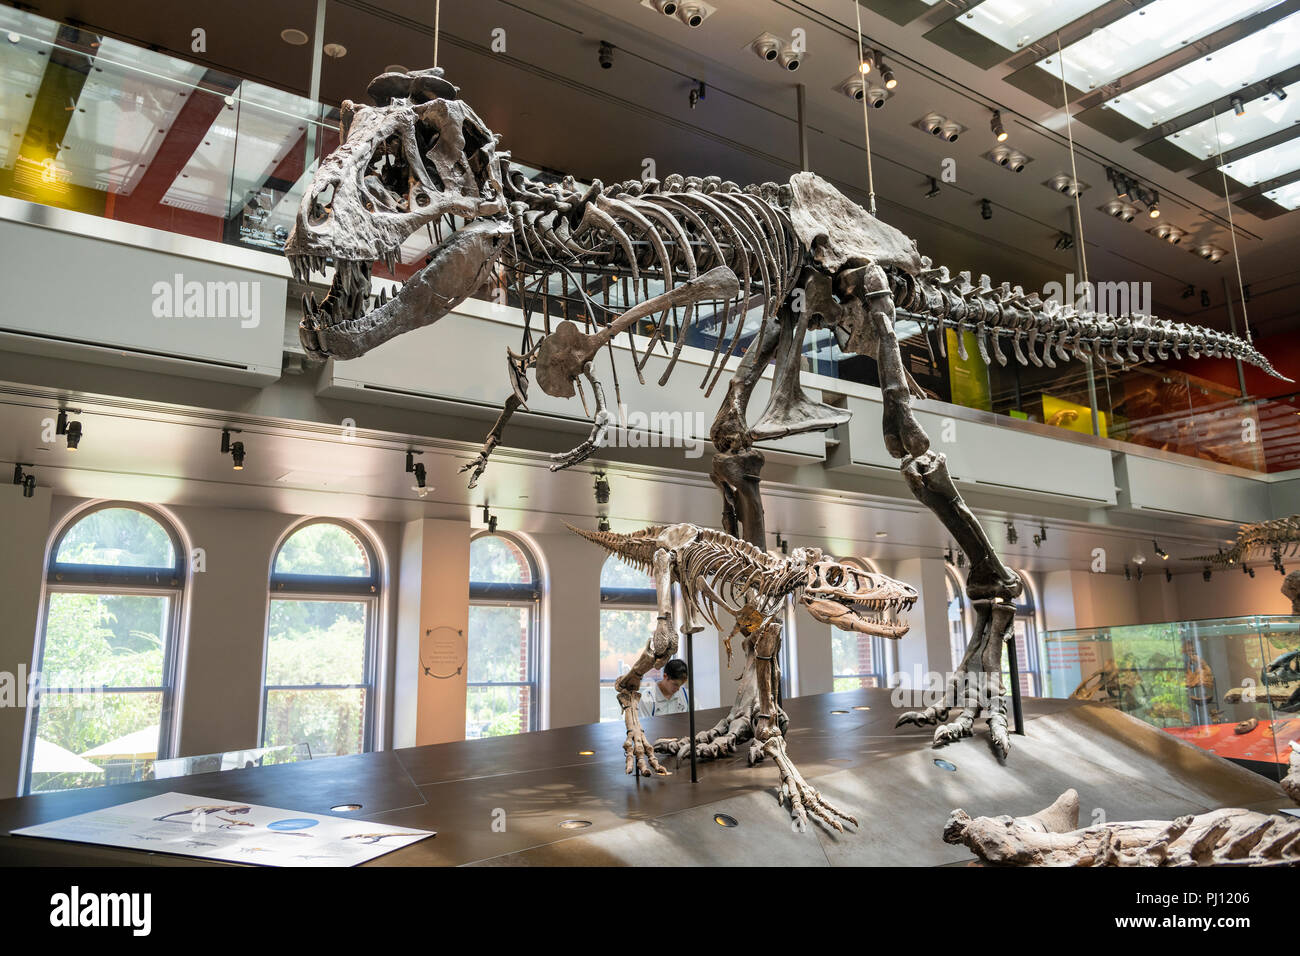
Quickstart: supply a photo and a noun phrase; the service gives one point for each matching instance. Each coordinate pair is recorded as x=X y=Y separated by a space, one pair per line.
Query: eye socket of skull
x=834 y=575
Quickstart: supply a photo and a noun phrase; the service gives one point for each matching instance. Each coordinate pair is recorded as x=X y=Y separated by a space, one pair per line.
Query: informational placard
x=230 y=831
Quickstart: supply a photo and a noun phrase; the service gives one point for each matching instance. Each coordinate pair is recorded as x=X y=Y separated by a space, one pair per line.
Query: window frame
x=510 y=594
x=343 y=589
x=878 y=662
x=61 y=577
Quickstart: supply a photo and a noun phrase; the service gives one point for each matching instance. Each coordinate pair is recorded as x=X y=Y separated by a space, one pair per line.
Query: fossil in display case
x=801 y=252
x=719 y=574
x=1291 y=590
x=1052 y=837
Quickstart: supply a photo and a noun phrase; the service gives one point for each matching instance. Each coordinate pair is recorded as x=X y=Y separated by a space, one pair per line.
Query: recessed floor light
x=882 y=534
x=295 y=37
x=345 y=808
x=839 y=711
x=335 y=51
x=575 y=824
x=725 y=820
x=861 y=707
x=586 y=753
x=945 y=765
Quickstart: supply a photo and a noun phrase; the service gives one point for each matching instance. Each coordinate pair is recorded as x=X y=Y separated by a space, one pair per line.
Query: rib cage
x=671 y=232
x=735 y=570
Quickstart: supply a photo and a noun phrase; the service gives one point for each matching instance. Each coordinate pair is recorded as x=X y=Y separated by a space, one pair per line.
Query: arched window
x=957 y=636
x=857 y=660
x=107 y=651
x=504 y=591
x=319 y=680
x=629 y=607
x=1025 y=628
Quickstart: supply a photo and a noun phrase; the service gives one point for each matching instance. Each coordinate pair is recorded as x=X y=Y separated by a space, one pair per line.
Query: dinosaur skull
x=419 y=158
x=856 y=600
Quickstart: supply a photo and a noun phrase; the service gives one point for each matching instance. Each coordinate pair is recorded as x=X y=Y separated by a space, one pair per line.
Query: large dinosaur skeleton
x=1052 y=837
x=802 y=254
x=720 y=575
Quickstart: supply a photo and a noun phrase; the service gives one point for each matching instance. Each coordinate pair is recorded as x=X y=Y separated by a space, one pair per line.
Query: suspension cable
x=866 y=125
x=1236 y=258
x=1074 y=172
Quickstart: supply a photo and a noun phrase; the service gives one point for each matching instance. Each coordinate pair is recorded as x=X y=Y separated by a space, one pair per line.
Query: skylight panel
x=1264 y=116
x=1209 y=78
x=1144 y=36
x=1015 y=23
x=1266 y=164
x=1288 y=196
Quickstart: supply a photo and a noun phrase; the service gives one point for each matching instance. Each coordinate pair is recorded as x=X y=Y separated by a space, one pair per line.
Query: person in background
x=668 y=695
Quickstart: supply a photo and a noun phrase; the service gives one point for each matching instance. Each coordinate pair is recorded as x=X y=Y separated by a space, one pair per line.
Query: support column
x=432 y=606
x=22 y=546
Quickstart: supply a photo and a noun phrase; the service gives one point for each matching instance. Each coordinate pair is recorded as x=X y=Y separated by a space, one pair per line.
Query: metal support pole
x=1079 y=271
x=690 y=696
x=1232 y=326
x=803 y=127
x=313 y=94
x=1017 y=708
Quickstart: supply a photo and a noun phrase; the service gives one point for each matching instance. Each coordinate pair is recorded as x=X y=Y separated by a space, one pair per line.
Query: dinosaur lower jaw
x=877 y=619
x=352 y=320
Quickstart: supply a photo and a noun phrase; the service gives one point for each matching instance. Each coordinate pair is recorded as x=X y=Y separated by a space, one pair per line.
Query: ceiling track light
x=868 y=61
x=790 y=59
x=697 y=93
x=1276 y=91
x=766 y=46
x=1238 y=107
x=1189 y=291
x=986 y=209
x=603 y=524
x=489 y=519
x=934 y=188
x=782 y=544
x=1128 y=574
x=1205 y=299
x=1012 y=536
x=1169 y=576
x=234 y=449
x=1153 y=207
x=1064 y=185
x=71 y=430
x=1063 y=242
x=1161 y=553
x=602 y=488
x=947 y=555
x=1205 y=574
x=1008 y=158
x=931 y=123
x=691 y=14
x=887 y=75
x=995 y=124
x=27 y=481
x=605 y=55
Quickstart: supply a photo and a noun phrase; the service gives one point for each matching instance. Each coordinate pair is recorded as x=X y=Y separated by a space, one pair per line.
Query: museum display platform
x=891 y=780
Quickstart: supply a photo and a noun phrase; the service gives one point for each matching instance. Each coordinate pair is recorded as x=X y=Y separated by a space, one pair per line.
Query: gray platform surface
x=888 y=779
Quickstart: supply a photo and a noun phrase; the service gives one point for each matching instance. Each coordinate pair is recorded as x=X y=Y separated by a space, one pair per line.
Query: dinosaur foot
x=719 y=740
x=804 y=797
x=575 y=456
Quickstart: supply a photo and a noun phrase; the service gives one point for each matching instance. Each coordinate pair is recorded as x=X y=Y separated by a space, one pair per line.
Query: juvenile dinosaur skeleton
x=723 y=576
x=801 y=252
x=1052 y=837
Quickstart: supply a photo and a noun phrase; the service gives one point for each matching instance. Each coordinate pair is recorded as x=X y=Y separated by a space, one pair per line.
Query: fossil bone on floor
x=1052 y=837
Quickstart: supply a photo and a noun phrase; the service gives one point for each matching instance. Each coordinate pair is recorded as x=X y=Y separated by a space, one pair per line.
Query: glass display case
x=1228 y=685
